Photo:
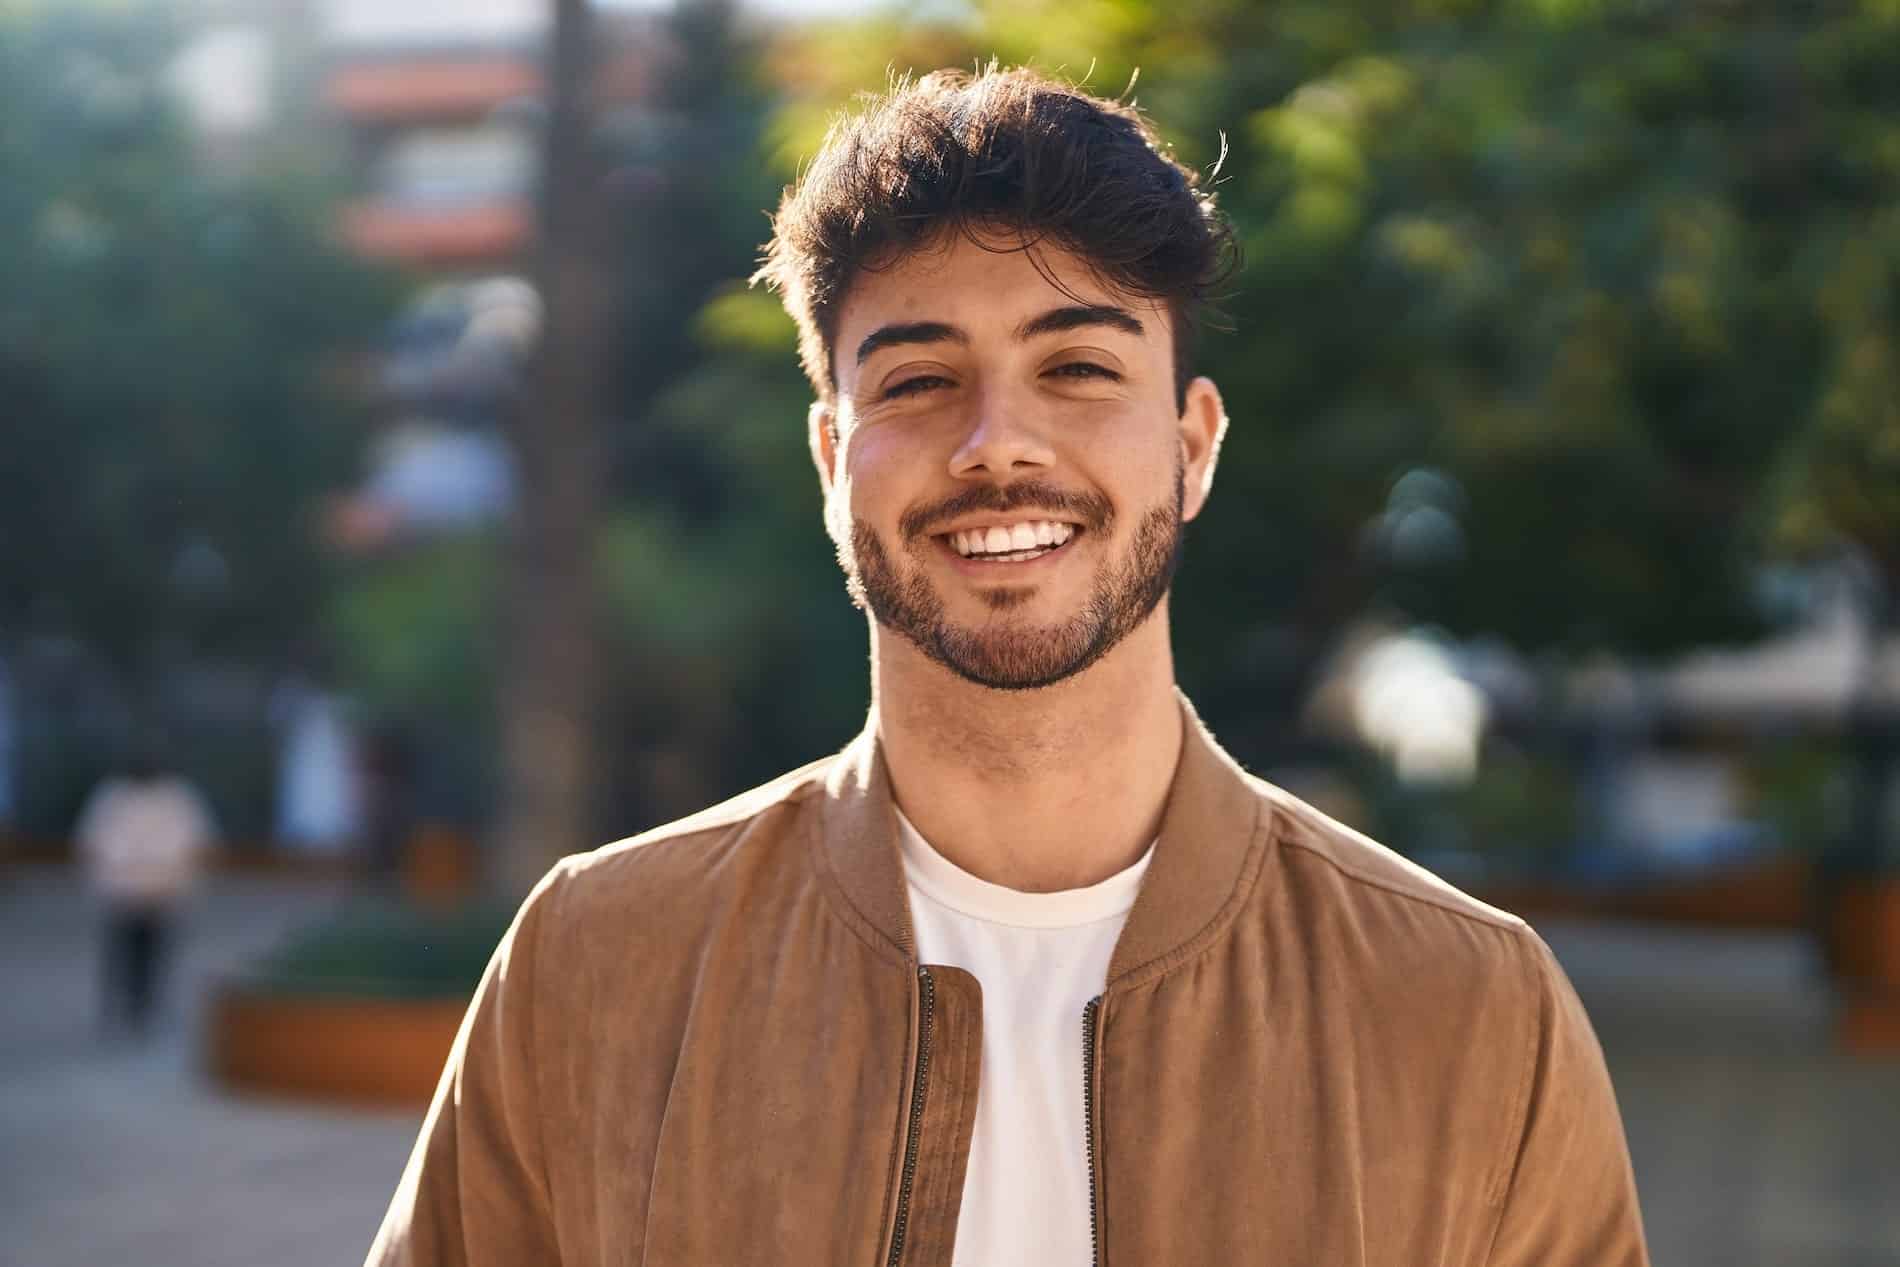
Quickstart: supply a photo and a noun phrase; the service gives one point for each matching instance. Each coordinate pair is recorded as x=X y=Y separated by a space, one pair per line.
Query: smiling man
x=1031 y=972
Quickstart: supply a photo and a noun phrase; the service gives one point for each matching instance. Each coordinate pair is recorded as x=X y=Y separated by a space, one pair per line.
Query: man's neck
x=1042 y=790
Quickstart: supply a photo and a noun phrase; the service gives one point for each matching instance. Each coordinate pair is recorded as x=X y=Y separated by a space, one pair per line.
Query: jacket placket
x=934 y=1151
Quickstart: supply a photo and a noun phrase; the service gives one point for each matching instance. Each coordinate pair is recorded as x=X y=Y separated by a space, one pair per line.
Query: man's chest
x=1196 y=1124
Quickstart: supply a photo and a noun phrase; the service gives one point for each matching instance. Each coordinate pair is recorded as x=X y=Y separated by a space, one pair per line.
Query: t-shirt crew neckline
x=944 y=882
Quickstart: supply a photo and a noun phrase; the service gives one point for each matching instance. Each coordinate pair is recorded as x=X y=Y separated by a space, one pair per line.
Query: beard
x=1004 y=654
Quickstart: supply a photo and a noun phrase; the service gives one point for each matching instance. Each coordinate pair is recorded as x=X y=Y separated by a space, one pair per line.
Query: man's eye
x=1086 y=369
x=914 y=386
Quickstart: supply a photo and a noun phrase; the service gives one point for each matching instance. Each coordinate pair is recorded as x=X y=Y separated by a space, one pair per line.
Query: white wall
x=384 y=22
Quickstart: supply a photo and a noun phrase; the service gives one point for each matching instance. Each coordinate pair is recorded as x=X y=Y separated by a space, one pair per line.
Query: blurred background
x=400 y=487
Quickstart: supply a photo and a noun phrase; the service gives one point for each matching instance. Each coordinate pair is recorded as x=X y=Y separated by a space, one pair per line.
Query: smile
x=1010 y=543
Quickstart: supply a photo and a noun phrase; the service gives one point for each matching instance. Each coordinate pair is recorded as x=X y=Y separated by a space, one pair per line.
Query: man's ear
x=821 y=422
x=1203 y=427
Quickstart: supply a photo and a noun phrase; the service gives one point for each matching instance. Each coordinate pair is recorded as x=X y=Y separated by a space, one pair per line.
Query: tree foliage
x=1557 y=319
x=171 y=342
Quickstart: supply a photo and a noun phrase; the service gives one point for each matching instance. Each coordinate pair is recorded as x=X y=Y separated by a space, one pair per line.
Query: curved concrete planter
x=1862 y=941
x=1863 y=934
x=338 y=1049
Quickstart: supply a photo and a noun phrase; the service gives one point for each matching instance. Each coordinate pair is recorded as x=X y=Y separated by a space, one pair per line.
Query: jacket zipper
x=1090 y=1015
x=926 y=1014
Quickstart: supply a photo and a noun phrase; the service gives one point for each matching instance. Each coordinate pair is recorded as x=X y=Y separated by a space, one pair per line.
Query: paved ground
x=113 y=1153
x=1755 y=1145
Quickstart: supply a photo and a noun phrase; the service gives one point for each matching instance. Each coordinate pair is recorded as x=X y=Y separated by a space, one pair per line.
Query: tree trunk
x=549 y=617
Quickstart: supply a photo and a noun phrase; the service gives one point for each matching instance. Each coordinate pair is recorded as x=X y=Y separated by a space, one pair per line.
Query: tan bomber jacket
x=712 y=1044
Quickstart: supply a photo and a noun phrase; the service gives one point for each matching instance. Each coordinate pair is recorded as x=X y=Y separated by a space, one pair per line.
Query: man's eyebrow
x=912 y=332
x=1075 y=316
x=1054 y=321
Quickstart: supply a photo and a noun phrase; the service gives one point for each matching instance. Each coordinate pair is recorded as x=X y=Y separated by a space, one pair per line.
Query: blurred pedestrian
x=142 y=838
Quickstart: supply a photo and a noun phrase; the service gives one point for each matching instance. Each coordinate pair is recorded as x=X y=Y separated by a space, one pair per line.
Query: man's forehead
x=970 y=284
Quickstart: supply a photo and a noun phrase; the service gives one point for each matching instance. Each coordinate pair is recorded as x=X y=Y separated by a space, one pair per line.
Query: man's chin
x=1023 y=658
x=991 y=601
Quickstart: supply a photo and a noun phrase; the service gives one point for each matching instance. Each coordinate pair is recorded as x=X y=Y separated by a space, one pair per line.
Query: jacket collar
x=1210 y=848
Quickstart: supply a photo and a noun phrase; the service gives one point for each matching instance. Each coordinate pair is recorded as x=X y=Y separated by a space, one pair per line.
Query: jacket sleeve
x=475 y=1192
x=1569 y=1196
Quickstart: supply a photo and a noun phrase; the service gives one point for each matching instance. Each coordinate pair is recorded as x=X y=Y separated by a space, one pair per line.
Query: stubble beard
x=1007 y=655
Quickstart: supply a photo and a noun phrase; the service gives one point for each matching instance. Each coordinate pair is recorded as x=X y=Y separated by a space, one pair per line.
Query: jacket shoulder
x=690 y=850
x=1414 y=948
x=1366 y=868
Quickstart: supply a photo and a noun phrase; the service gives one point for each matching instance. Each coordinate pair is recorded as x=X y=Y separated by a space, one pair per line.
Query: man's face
x=1009 y=475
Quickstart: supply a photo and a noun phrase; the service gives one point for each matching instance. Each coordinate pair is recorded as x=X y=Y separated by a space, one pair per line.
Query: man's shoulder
x=1340 y=865
x=1402 y=933
x=696 y=849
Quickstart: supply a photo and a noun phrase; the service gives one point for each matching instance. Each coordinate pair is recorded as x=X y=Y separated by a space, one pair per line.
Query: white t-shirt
x=144 y=840
x=1040 y=958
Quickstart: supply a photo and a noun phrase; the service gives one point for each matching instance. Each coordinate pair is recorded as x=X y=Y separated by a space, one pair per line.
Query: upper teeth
x=1016 y=537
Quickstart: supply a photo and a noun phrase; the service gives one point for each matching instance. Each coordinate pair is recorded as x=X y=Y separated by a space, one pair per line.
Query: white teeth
x=1014 y=544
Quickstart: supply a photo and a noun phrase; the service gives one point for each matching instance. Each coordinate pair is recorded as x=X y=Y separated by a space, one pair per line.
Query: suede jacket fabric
x=712 y=1044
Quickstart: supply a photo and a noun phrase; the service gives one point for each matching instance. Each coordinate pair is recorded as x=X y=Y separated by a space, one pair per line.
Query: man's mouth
x=1010 y=543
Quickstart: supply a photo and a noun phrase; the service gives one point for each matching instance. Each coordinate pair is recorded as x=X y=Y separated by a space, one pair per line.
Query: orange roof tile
x=428 y=89
x=469 y=235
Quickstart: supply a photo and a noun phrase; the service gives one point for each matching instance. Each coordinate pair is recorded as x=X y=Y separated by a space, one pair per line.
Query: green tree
x=1557 y=319
x=172 y=355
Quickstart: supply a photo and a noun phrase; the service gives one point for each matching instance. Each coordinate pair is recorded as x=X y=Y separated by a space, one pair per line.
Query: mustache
x=1091 y=509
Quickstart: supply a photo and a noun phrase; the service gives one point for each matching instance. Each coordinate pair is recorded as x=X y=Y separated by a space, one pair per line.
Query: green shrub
x=386 y=950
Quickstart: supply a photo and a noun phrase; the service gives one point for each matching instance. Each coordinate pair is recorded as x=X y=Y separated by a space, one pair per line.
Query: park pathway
x=1755 y=1144
x=118 y=1153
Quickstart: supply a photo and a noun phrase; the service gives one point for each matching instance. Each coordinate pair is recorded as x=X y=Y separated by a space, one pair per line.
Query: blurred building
x=449 y=366
x=427 y=115
x=439 y=104
x=433 y=110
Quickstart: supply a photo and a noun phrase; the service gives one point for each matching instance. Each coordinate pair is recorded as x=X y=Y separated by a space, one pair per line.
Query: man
x=1031 y=972
x=142 y=837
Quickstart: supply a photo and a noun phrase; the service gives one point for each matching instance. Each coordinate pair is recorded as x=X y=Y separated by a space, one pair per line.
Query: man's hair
x=1000 y=156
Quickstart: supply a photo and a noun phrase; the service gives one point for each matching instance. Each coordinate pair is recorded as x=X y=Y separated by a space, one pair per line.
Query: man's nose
x=1003 y=438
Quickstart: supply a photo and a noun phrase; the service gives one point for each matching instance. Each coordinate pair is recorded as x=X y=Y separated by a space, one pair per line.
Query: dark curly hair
x=999 y=155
